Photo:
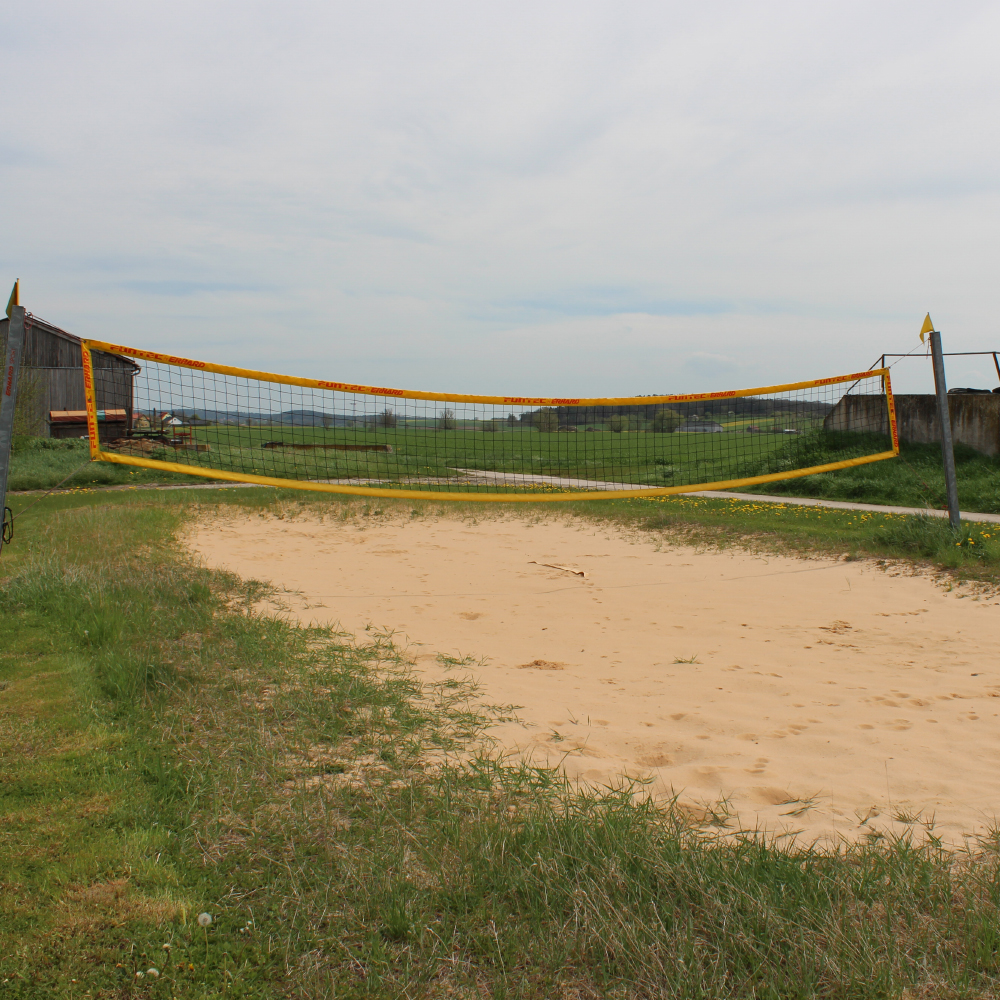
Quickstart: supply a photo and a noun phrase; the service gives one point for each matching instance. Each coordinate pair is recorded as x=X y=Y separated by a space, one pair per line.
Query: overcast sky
x=569 y=198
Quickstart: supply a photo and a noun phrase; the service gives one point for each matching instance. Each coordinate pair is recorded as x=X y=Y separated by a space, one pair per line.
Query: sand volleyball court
x=819 y=696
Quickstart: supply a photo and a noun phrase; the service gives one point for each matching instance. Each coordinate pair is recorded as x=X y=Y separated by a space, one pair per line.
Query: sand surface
x=822 y=699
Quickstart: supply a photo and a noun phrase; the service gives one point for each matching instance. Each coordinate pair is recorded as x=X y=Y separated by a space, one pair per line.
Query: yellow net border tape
x=91 y=401
x=368 y=390
x=373 y=491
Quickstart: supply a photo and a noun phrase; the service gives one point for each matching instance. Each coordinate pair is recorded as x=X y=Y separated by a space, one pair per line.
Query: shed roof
x=49 y=346
x=80 y=416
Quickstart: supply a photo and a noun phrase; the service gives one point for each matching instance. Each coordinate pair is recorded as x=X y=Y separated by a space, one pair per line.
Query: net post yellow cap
x=15 y=297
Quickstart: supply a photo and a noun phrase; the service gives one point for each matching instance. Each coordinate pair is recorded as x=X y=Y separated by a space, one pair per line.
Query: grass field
x=412 y=455
x=915 y=479
x=168 y=751
x=41 y=463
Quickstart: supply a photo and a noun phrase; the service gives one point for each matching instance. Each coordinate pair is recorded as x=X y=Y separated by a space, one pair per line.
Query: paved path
x=529 y=479
x=555 y=481
x=512 y=479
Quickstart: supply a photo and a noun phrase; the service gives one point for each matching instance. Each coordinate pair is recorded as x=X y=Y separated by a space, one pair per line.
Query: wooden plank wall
x=53 y=359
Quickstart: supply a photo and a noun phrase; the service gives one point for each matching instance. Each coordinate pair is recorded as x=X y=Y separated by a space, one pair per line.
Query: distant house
x=50 y=387
x=702 y=427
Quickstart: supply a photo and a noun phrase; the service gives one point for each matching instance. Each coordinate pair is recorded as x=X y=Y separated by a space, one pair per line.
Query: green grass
x=646 y=459
x=972 y=554
x=915 y=479
x=168 y=750
x=41 y=463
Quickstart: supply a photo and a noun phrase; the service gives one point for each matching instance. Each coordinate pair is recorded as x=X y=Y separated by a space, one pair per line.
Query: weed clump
x=932 y=538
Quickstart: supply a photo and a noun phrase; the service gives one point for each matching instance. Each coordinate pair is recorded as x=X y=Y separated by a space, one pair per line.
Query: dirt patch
x=91 y=908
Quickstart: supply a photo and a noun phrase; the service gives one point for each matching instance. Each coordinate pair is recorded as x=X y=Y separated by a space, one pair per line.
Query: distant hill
x=287 y=418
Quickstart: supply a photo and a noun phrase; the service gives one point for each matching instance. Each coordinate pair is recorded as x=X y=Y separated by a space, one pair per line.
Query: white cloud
x=571 y=198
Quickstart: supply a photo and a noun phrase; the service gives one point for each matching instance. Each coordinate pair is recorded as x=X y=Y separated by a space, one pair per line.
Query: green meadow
x=914 y=479
x=638 y=457
x=168 y=750
x=645 y=459
x=41 y=463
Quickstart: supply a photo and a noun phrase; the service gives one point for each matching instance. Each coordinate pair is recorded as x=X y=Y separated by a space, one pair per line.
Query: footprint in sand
x=542 y=665
x=771 y=795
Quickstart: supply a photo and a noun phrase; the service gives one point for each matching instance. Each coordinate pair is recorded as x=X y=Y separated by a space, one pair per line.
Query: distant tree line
x=654 y=417
x=667 y=418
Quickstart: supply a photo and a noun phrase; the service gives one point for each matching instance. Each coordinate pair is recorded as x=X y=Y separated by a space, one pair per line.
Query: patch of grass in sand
x=168 y=749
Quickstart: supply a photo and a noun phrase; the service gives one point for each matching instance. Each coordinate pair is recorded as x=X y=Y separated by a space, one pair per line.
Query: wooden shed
x=51 y=381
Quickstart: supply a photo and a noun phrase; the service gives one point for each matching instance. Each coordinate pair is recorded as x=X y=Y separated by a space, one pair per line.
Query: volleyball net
x=234 y=424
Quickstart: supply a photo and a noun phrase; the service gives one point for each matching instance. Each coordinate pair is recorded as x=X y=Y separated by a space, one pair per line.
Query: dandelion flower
x=204 y=919
x=153 y=972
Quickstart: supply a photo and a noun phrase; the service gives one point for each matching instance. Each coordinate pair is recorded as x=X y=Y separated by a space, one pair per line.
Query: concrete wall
x=975 y=419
